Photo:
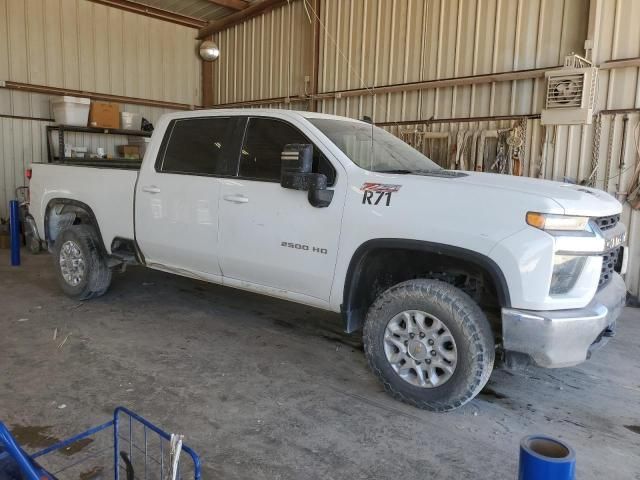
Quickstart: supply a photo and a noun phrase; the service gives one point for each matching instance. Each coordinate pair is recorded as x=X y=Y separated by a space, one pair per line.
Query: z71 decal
x=373 y=193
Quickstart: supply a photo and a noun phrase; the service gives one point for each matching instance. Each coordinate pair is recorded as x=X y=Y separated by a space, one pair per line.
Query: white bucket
x=71 y=110
x=130 y=121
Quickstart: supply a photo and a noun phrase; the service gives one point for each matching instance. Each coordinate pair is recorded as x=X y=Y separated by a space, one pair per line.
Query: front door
x=272 y=236
x=176 y=207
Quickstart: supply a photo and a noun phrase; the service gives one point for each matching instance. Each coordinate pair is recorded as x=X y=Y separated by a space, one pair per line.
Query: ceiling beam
x=160 y=14
x=232 y=4
x=253 y=10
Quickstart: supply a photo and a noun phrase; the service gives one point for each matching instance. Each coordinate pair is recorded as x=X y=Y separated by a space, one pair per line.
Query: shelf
x=104 y=131
x=63 y=129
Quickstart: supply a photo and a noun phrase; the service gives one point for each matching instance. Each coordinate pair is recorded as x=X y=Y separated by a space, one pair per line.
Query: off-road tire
x=97 y=275
x=466 y=322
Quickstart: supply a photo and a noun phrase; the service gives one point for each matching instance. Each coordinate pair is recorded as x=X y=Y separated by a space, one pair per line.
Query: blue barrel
x=14 y=228
x=545 y=458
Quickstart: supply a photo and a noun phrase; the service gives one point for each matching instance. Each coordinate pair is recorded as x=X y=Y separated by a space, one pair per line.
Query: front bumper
x=562 y=338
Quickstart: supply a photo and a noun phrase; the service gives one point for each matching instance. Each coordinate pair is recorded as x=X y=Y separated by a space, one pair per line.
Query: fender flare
x=353 y=312
x=78 y=204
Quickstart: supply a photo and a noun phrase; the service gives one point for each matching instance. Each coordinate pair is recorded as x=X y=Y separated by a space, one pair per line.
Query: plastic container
x=79 y=152
x=141 y=142
x=130 y=121
x=71 y=110
x=546 y=458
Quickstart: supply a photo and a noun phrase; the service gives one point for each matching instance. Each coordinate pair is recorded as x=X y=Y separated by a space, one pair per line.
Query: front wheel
x=80 y=266
x=429 y=344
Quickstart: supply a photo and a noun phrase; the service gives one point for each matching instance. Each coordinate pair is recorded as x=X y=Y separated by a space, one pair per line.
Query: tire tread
x=99 y=273
x=462 y=307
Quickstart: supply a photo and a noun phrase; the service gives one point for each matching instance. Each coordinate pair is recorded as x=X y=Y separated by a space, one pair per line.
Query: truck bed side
x=109 y=193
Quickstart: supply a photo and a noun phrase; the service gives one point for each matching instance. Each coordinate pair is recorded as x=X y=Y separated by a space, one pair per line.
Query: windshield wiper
x=403 y=171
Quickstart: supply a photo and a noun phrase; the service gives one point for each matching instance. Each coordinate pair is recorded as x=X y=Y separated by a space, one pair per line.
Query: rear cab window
x=200 y=146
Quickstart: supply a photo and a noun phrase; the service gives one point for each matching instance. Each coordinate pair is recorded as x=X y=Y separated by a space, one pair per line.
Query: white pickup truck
x=444 y=271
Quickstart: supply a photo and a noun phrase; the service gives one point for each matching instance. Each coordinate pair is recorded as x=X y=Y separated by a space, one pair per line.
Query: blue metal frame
x=149 y=425
x=28 y=465
x=17 y=454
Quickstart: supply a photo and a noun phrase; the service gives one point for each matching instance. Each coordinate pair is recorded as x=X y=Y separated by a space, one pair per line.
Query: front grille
x=606 y=223
x=611 y=262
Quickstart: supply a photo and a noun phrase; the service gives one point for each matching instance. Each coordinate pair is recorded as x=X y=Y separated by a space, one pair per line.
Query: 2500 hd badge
x=305 y=248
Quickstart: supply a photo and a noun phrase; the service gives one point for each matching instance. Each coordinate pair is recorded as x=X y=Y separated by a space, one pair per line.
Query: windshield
x=387 y=153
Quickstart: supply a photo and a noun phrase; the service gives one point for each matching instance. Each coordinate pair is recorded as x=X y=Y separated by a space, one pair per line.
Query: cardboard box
x=104 y=115
x=141 y=142
x=131 y=152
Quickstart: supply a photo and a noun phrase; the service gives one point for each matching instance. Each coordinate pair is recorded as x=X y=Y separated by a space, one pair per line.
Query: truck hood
x=574 y=199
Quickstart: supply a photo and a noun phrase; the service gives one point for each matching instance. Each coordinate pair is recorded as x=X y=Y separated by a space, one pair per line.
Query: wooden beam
x=253 y=10
x=494 y=118
x=441 y=83
x=160 y=14
x=207 y=81
x=620 y=63
x=232 y=4
x=44 y=89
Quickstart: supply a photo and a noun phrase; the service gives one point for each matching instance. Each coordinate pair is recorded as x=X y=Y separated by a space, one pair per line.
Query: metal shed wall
x=81 y=45
x=265 y=57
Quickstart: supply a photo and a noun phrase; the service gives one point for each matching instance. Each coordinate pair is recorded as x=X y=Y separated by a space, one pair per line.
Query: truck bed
x=109 y=191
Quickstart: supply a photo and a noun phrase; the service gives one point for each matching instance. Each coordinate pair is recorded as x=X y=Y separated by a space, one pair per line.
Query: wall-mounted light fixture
x=209 y=51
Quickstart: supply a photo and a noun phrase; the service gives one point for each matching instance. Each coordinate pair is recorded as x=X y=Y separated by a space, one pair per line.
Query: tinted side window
x=198 y=146
x=263 y=144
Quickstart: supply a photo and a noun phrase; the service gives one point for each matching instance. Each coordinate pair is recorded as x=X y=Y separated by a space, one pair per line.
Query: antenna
x=308 y=7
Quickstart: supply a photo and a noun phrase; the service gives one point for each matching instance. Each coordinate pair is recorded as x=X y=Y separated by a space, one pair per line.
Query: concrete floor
x=264 y=389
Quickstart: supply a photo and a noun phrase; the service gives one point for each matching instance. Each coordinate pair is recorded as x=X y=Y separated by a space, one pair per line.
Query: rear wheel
x=430 y=344
x=80 y=266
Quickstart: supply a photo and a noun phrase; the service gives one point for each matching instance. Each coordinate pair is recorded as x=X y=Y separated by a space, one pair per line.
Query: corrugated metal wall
x=401 y=41
x=365 y=43
x=82 y=45
x=265 y=57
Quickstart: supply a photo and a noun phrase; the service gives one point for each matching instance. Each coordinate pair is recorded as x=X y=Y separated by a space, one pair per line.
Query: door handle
x=236 y=198
x=151 y=189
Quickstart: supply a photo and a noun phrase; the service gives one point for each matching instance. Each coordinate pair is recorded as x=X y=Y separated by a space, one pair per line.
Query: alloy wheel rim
x=72 y=264
x=420 y=348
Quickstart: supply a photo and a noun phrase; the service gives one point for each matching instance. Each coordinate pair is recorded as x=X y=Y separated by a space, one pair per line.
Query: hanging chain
x=607 y=165
x=543 y=152
x=515 y=142
x=500 y=163
x=595 y=151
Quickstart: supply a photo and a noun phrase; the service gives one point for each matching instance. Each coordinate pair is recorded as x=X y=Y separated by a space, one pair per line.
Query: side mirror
x=295 y=174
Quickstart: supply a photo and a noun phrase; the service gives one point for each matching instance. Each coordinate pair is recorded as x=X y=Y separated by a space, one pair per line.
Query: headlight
x=566 y=270
x=560 y=223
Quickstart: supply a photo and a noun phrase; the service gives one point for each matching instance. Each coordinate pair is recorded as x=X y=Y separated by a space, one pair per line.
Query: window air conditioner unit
x=571 y=96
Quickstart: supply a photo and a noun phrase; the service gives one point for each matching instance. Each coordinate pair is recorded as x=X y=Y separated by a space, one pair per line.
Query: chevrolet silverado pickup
x=444 y=272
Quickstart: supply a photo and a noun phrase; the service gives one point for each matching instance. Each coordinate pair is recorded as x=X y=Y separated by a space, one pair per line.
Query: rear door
x=176 y=207
x=271 y=236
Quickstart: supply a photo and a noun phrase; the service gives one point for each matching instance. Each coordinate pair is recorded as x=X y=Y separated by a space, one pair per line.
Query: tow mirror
x=295 y=174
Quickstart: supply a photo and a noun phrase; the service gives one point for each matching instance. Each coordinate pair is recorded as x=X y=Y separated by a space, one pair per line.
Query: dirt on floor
x=266 y=389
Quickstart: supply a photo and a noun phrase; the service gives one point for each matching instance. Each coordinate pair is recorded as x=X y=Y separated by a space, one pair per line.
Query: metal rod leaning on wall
x=14 y=229
x=619 y=193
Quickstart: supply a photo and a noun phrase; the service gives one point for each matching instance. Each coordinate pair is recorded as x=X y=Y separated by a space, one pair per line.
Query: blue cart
x=129 y=446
